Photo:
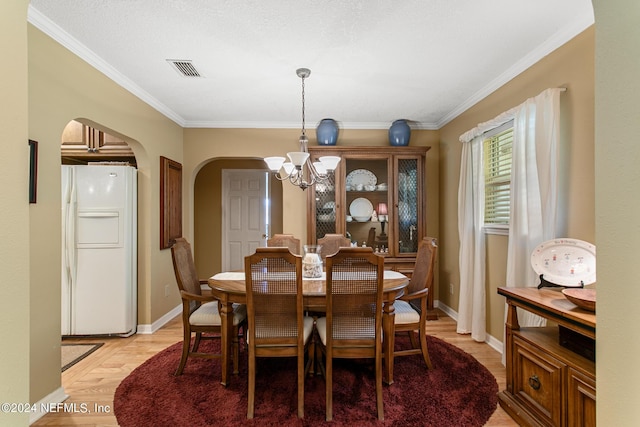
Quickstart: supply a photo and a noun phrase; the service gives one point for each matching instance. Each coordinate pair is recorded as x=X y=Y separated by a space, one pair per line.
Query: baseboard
x=491 y=341
x=447 y=310
x=150 y=329
x=47 y=404
x=494 y=343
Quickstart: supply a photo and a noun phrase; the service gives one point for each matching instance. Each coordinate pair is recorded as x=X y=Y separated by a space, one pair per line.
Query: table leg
x=389 y=328
x=226 y=318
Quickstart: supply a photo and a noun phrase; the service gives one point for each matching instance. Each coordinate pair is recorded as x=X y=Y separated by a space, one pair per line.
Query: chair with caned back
x=200 y=313
x=285 y=240
x=411 y=308
x=331 y=242
x=277 y=325
x=352 y=327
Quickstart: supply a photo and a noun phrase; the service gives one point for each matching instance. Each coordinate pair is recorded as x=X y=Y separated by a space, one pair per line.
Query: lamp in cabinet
x=382 y=217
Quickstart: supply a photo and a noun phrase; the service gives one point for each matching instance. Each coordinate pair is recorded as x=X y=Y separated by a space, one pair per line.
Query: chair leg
x=251 y=384
x=423 y=347
x=301 y=375
x=329 y=384
x=186 y=343
x=310 y=366
x=196 y=343
x=379 y=402
x=236 y=350
x=412 y=337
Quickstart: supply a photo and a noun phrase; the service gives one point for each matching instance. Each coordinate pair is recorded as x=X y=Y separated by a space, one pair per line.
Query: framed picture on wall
x=170 y=202
x=33 y=170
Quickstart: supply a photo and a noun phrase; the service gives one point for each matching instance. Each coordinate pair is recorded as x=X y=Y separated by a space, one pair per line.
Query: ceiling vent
x=184 y=67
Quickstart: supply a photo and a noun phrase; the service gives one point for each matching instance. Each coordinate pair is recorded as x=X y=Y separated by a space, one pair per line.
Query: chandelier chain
x=303 y=105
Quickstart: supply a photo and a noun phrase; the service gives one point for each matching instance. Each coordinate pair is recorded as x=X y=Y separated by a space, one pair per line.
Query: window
x=497 y=178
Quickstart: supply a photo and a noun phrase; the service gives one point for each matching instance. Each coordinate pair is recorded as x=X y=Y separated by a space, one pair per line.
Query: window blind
x=497 y=173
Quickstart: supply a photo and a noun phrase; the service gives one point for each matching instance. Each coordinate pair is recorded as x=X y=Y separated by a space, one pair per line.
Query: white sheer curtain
x=471 y=304
x=534 y=188
x=533 y=203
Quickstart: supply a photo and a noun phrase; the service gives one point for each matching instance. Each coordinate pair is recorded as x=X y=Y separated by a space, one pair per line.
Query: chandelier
x=300 y=170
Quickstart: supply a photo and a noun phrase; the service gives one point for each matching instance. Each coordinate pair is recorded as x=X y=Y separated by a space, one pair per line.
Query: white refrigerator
x=99 y=250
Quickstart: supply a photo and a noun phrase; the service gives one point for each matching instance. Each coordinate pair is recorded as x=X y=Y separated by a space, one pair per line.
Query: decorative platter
x=583 y=298
x=565 y=262
x=361 y=208
x=361 y=176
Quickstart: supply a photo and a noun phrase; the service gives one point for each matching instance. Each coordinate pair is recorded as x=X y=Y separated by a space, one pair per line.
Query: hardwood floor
x=93 y=381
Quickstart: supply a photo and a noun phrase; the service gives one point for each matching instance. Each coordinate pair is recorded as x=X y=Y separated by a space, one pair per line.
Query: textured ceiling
x=371 y=61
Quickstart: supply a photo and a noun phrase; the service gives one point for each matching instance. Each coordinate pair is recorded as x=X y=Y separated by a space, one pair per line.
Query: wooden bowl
x=583 y=298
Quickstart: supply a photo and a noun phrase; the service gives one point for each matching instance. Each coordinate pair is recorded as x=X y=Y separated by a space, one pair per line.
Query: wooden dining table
x=229 y=288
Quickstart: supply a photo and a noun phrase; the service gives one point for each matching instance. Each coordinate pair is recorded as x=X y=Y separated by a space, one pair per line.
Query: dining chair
x=411 y=308
x=352 y=327
x=331 y=242
x=200 y=313
x=285 y=240
x=277 y=326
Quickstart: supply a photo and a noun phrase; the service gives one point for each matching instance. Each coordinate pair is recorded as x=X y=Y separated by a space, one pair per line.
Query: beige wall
x=64 y=87
x=617 y=188
x=15 y=326
x=570 y=66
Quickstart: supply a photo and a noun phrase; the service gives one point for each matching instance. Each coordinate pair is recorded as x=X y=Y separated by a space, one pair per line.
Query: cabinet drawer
x=581 y=399
x=538 y=381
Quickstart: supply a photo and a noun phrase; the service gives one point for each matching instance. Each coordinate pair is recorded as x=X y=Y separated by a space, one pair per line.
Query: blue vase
x=327 y=132
x=399 y=133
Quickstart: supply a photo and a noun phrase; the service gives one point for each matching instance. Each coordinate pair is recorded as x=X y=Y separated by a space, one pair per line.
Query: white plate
x=361 y=207
x=565 y=262
x=327 y=217
x=361 y=176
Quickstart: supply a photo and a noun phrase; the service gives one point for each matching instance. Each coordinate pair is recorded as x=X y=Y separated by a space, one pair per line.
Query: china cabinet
x=375 y=197
x=551 y=374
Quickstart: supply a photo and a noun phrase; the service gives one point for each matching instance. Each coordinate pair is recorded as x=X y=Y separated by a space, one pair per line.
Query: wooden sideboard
x=551 y=373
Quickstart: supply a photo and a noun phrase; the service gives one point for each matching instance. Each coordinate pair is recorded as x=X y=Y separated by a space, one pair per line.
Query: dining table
x=230 y=288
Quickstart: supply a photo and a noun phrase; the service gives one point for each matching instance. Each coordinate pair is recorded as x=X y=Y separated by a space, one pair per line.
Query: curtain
x=533 y=204
x=471 y=305
x=534 y=187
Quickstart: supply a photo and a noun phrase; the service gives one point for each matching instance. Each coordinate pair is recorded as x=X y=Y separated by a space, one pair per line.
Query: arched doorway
x=208 y=210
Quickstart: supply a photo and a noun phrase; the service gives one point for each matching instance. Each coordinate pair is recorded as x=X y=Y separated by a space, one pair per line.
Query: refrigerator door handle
x=70 y=223
x=99 y=214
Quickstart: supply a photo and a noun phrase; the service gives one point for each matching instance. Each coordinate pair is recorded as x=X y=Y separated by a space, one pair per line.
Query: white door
x=245 y=215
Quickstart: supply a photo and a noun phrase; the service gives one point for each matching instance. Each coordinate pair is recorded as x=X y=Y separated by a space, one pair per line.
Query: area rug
x=73 y=353
x=458 y=391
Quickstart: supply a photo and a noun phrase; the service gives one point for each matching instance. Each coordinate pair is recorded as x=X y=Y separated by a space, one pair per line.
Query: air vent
x=184 y=67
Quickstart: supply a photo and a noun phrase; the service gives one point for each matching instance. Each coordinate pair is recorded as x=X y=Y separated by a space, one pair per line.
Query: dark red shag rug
x=459 y=391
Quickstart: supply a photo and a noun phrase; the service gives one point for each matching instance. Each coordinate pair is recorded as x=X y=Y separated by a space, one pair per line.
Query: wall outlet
x=166 y=290
x=451 y=288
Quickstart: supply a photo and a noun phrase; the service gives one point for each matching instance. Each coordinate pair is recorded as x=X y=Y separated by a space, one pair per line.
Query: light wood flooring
x=93 y=381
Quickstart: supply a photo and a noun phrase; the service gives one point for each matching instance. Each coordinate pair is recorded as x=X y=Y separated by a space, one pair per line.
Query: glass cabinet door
x=366 y=194
x=325 y=207
x=407 y=207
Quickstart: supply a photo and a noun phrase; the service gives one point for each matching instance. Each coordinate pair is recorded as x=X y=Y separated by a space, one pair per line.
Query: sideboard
x=551 y=374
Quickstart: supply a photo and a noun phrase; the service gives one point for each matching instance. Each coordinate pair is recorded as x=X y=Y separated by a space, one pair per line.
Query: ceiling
x=371 y=61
